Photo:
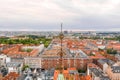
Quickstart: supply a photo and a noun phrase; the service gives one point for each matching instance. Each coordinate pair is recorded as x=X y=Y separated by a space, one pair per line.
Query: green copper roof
x=60 y=77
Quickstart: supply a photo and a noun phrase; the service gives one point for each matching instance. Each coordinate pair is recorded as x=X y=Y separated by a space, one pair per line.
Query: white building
x=14 y=67
x=33 y=62
x=4 y=59
x=103 y=65
x=40 y=47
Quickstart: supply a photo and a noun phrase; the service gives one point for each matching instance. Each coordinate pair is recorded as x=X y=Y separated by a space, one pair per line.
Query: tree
x=114 y=51
x=81 y=71
x=24 y=67
x=111 y=51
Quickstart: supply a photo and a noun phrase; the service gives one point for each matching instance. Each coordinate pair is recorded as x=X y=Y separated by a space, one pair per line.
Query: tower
x=61 y=76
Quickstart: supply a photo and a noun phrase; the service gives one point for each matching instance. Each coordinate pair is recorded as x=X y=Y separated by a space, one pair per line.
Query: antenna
x=61 y=27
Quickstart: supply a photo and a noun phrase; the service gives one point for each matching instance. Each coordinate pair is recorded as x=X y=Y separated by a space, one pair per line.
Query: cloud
x=47 y=14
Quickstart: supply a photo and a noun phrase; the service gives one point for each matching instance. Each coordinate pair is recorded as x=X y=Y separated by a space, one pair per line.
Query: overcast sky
x=48 y=14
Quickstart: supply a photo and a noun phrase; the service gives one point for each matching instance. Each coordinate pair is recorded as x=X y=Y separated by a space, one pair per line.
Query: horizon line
x=59 y=30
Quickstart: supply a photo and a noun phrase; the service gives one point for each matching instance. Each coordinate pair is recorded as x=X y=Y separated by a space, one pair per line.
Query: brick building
x=78 y=63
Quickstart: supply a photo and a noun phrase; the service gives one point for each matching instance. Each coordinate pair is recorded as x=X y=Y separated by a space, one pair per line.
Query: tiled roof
x=116 y=69
x=15 y=52
x=11 y=76
x=13 y=64
x=66 y=74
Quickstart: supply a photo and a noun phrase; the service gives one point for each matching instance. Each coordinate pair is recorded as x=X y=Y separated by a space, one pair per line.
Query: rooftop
x=13 y=64
x=11 y=76
x=116 y=69
x=107 y=61
x=99 y=73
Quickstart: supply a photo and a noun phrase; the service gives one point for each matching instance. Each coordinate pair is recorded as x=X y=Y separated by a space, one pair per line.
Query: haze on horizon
x=38 y=15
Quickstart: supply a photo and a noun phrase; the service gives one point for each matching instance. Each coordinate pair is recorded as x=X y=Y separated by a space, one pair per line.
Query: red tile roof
x=15 y=52
x=11 y=76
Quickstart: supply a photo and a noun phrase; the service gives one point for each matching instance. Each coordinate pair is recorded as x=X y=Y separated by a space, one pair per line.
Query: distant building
x=65 y=32
x=19 y=37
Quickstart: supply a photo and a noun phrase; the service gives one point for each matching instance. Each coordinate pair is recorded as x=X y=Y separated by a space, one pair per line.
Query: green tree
x=81 y=71
x=111 y=51
x=24 y=67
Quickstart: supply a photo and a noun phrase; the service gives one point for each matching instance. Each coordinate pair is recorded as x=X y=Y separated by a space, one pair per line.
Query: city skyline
x=46 y=15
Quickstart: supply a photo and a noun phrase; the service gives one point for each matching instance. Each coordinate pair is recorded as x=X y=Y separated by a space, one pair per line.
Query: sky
x=44 y=15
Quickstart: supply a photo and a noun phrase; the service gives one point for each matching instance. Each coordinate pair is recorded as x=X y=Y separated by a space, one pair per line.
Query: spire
x=61 y=76
x=61 y=36
x=61 y=27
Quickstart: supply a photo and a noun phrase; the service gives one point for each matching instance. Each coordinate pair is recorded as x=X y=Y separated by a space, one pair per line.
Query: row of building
x=77 y=54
